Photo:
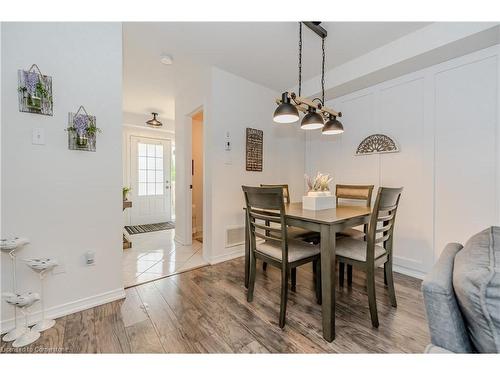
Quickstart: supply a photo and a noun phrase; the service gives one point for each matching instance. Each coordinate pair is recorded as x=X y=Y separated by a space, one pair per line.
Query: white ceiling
x=262 y=52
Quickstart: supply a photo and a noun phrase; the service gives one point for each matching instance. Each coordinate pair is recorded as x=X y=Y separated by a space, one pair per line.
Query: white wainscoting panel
x=466 y=126
x=401 y=108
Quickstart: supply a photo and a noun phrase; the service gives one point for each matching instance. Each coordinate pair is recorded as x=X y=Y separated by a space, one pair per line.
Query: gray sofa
x=462 y=296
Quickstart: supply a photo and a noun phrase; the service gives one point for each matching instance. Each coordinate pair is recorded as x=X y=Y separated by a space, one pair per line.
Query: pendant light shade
x=286 y=113
x=333 y=126
x=154 y=122
x=312 y=120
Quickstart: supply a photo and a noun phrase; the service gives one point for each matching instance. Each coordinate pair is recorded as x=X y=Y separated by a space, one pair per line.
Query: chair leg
x=294 y=279
x=314 y=268
x=251 y=278
x=349 y=274
x=372 y=301
x=390 y=282
x=341 y=274
x=319 y=296
x=284 y=294
x=385 y=274
x=264 y=266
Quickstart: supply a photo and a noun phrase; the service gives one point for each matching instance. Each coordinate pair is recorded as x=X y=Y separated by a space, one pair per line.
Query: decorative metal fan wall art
x=377 y=144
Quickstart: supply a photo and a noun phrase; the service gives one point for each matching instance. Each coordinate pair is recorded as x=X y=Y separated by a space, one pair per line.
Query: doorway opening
x=197 y=176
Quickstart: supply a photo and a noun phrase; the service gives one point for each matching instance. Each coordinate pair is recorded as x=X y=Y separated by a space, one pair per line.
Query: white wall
x=66 y=202
x=445 y=120
x=191 y=94
x=235 y=104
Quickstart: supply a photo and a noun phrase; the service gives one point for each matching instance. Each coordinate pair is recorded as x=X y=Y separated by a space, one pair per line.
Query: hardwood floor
x=205 y=311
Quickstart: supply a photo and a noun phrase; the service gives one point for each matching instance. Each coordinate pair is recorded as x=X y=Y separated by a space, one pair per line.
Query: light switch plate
x=38 y=136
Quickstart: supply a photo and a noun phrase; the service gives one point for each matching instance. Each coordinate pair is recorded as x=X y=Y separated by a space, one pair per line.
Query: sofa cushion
x=476 y=281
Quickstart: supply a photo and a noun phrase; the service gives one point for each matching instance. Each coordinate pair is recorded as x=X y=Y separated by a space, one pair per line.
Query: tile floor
x=154 y=255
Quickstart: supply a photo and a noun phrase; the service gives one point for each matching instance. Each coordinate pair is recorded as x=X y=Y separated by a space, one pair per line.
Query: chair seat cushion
x=297 y=250
x=476 y=281
x=355 y=249
x=353 y=233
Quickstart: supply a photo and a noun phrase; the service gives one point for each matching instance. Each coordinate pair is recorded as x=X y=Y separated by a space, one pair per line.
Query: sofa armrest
x=445 y=320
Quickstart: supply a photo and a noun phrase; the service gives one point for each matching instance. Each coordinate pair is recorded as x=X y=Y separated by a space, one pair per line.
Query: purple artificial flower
x=80 y=123
x=30 y=80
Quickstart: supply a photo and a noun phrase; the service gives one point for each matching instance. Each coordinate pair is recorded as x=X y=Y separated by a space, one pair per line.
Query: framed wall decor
x=82 y=130
x=254 y=149
x=35 y=91
x=377 y=144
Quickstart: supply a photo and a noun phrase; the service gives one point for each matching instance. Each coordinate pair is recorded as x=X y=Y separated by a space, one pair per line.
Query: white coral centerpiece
x=318 y=185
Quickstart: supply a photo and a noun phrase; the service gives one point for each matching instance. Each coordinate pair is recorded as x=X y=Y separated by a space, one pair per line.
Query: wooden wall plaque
x=254 y=150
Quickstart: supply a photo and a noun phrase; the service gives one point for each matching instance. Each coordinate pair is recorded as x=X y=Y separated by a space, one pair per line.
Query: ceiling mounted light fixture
x=154 y=122
x=332 y=126
x=316 y=113
x=166 y=59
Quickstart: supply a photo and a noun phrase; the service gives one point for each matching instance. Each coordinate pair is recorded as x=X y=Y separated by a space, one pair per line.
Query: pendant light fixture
x=286 y=112
x=315 y=111
x=154 y=122
x=332 y=126
x=312 y=120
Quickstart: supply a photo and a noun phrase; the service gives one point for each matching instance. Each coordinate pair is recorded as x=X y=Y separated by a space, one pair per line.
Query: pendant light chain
x=300 y=58
x=323 y=72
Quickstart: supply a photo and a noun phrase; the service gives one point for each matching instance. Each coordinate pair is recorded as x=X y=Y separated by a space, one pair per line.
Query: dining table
x=328 y=223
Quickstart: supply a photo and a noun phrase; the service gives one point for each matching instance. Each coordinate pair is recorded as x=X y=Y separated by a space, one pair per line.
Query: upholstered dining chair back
x=286 y=192
x=265 y=212
x=354 y=192
x=381 y=227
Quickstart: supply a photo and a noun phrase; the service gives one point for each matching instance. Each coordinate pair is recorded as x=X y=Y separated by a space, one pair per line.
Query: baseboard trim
x=408 y=271
x=67 y=308
x=237 y=251
x=183 y=241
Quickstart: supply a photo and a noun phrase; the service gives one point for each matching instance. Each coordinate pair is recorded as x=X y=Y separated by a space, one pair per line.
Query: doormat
x=136 y=229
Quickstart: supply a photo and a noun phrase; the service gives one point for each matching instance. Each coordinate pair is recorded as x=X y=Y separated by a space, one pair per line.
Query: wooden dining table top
x=327 y=216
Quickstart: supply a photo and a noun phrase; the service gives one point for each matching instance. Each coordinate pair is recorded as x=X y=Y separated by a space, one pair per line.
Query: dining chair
x=265 y=206
x=293 y=232
x=363 y=194
x=377 y=249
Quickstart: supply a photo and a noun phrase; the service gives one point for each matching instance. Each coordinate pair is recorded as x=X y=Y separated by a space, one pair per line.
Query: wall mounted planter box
x=316 y=203
x=35 y=91
x=82 y=131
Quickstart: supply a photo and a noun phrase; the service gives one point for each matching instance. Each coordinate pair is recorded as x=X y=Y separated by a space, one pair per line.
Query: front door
x=150 y=180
